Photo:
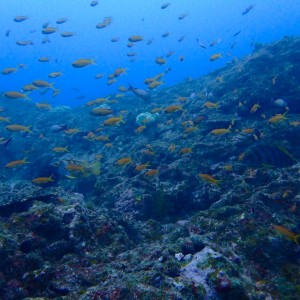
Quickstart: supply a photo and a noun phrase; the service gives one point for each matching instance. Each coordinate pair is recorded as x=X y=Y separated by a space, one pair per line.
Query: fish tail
x=51 y=177
x=296 y=238
x=26 y=97
x=26 y=161
x=28 y=129
x=130 y=87
x=121 y=119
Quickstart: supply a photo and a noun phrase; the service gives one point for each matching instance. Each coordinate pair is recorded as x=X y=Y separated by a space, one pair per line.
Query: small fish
x=209 y=104
x=209 y=178
x=94 y=3
x=254 y=108
x=182 y=16
x=98 y=76
x=186 y=150
x=286 y=233
x=124 y=161
x=4 y=119
x=151 y=172
x=220 y=131
x=165 y=5
x=248 y=130
x=142 y=166
x=5 y=143
x=181 y=39
x=250 y=7
x=295 y=123
x=143 y=94
x=43 y=106
x=42 y=84
x=49 y=30
x=114 y=121
x=66 y=34
x=101 y=111
x=216 y=56
x=106 y=22
x=119 y=71
x=19 y=19
x=202 y=45
x=44 y=59
x=54 y=74
x=277 y=118
x=135 y=38
x=58 y=128
x=29 y=88
x=17 y=127
x=61 y=20
x=7 y=33
x=83 y=62
x=160 y=61
x=8 y=71
x=101 y=138
x=16 y=163
x=74 y=168
x=60 y=149
x=228 y=168
x=24 y=43
x=15 y=95
x=140 y=129
x=181 y=58
x=72 y=131
x=42 y=180
x=280 y=103
x=165 y=34
x=173 y=108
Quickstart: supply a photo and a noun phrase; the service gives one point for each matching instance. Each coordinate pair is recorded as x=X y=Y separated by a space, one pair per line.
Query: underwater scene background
x=149 y=150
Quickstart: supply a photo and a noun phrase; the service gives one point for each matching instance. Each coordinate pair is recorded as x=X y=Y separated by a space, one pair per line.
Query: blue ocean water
x=205 y=22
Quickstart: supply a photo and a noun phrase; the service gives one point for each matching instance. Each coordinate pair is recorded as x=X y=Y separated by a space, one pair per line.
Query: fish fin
x=296 y=238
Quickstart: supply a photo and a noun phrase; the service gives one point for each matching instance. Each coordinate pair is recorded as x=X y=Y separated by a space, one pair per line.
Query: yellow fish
x=114 y=121
x=286 y=233
x=124 y=161
x=16 y=127
x=220 y=131
x=142 y=166
x=151 y=172
x=277 y=118
x=215 y=56
x=42 y=180
x=254 y=108
x=16 y=163
x=173 y=108
x=209 y=178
